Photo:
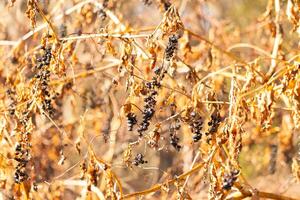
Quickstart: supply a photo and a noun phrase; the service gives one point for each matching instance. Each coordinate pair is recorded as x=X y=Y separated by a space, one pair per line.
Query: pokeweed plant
x=152 y=99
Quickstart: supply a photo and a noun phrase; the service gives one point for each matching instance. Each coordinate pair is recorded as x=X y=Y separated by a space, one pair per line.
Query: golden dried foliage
x=152 y=99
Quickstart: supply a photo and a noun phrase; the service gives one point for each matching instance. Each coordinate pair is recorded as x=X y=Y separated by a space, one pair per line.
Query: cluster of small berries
x=214 y=123
x=229 y=179
x=173 y=128
x=195 y=124
x=45 y=59
x=171 y=47
x=43 y=76
x=149 y=104
x=22 y=152
x=139 y=160
x=174 y=141
x=131 y=120
x=12 y=106
x=148 y=112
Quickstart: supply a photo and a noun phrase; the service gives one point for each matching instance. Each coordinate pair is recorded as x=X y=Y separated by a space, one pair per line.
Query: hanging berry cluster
x=214 y=123
x=152 y=87
x=229 y=179
x=154 y=84
x=195 y=124
x=173 y=128
x=173 y=138
x=139 y=160
x=12 y=105
x=149 y=104
x=42 y=77
x=22 y=149
x=171 y=47
x=131 y=120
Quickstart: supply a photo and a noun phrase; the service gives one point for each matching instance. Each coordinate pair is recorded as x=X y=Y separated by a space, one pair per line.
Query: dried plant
x=149 y=99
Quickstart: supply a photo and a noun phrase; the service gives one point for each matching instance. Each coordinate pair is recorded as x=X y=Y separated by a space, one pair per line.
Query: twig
x=246 y=45
x=7 y=43
x=114 y=35
x=278 y=39
x=46 y=19
x=262 y=195
x=86 y=73
x=42 y=26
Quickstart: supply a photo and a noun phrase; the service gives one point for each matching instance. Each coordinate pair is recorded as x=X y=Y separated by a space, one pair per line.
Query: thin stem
x=229 y=54
x=86 y=73
x=262 y=195
x=273 y=196
x=97 y=35
x=45 y=18
x=246 y=45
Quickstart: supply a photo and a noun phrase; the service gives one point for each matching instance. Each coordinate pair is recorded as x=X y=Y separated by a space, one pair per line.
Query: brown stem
x=274 y=196
x=263 y=195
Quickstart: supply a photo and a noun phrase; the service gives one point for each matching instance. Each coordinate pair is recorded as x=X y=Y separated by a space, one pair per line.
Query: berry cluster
x=22 y=159
x=195 y=124
x=12 y=106
x=43 y=76
x=214 y=123
x=174 y=141
x=139 y=160
x=22 y=151
x=149 y=105
x=45 y=59
x=173 y=128
x=171 y=47
x=229 y=179
x=154 y=83
x=131 y=120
